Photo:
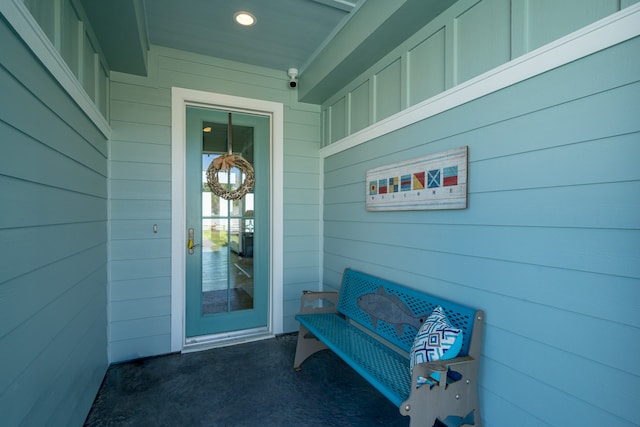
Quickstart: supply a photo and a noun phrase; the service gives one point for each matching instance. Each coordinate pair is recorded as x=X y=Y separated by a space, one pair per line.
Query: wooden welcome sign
x=437 y=181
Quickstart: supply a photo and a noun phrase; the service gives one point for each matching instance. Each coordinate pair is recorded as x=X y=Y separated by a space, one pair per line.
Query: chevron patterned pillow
x=436 y=340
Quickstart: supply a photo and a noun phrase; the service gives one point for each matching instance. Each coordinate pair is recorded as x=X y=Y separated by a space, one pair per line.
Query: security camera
x=293 y=77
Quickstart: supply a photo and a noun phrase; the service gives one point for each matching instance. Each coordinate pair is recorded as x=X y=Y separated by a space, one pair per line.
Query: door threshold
x=206 y=342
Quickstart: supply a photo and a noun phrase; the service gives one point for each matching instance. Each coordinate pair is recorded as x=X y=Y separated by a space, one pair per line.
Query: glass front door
x=227 y=286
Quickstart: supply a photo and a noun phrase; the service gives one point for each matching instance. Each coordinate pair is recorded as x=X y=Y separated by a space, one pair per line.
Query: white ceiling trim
x=338 y=4
x=331 y=35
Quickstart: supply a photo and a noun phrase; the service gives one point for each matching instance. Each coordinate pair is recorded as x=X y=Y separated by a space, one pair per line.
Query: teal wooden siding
x=426 y=68
x=53 y=247
x=338 y=119
x=140 y=182
x=359 y=108
x=477 y=51
x=465 y=41
x=388 y=91
x=70 y=33
x=549 y=245
x=549 y=20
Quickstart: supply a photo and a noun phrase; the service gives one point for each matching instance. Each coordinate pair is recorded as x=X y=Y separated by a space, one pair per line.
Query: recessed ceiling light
x=244 y=18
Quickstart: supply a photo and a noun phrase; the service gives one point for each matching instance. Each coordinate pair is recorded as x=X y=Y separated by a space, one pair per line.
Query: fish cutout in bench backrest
x=389 y=309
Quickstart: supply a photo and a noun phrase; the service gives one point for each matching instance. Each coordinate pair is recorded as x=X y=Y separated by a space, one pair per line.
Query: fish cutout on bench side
x=389 y=309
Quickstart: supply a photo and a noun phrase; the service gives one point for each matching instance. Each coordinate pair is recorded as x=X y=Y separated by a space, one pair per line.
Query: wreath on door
x=226 y=162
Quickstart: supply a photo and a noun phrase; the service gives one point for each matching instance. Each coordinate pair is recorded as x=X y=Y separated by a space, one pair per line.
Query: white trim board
x=180 y=98
x=28 y=29
x=607 y=32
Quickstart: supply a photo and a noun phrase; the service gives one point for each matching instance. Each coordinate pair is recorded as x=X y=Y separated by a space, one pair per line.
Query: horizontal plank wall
x=141 y=190
x=53 y=246
x=468 y=39
x=549 y=245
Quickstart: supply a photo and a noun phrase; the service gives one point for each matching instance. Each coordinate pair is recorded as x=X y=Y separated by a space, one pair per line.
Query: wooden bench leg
x=450 y=404
x=306 y=346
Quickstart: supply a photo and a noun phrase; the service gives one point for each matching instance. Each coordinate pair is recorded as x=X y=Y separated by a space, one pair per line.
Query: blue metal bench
x=376 y=343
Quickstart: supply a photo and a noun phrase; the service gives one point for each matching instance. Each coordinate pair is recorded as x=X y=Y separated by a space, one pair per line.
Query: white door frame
x=180 y=98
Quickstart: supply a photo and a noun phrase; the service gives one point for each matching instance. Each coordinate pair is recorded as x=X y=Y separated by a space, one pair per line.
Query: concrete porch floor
x=251 y=384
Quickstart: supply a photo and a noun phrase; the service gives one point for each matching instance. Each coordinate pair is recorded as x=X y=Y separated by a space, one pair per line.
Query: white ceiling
x=286 y=34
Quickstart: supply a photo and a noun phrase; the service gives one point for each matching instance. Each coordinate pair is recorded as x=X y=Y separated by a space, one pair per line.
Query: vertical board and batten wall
x=66 y=26
x=140 y=291
x=53 y=246
x=468 y=39
x=549 y=245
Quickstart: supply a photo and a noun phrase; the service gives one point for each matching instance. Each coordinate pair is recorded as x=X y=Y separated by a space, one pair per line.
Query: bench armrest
x=318 y=302
x=440 y=368
x=452 y=394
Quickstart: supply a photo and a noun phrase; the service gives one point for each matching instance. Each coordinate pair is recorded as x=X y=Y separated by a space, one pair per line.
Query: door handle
x=190 y=245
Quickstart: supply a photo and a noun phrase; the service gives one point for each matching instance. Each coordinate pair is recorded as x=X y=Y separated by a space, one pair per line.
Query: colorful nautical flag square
x=433 y=178
x=382 y=186
x=373 y=188
x=405 y=183
x=418 y=181
x=450 y=176
x=394 y=184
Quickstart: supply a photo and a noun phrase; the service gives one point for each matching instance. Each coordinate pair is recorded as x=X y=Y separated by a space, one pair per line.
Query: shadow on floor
x=250 y=384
